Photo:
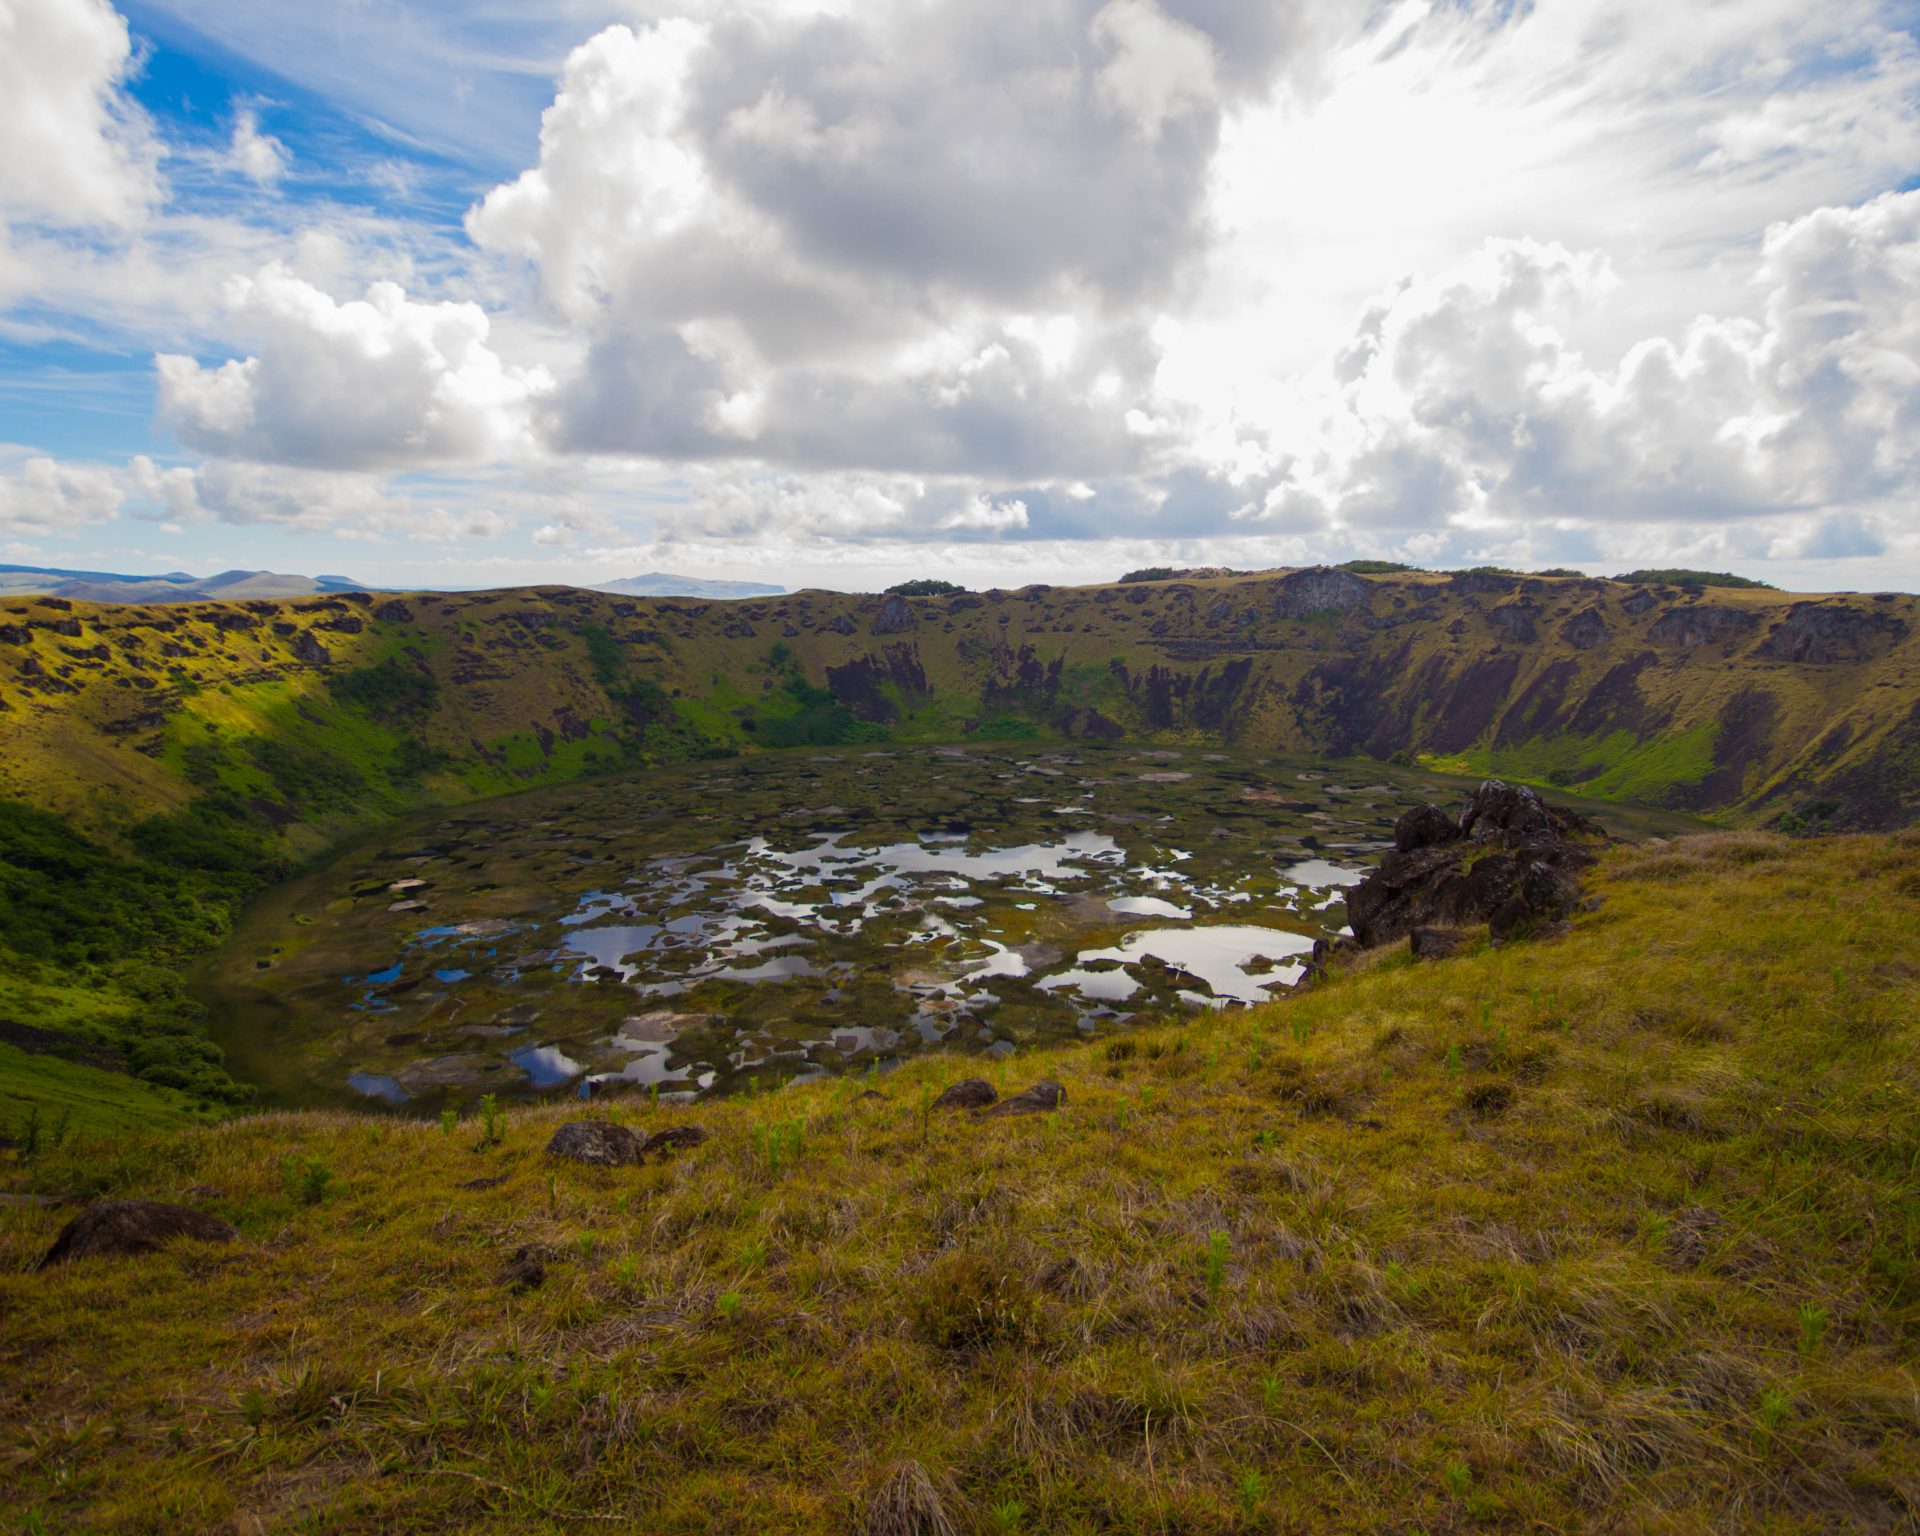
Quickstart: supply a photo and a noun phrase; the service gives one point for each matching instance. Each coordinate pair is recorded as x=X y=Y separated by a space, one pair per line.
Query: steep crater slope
x=317 y=716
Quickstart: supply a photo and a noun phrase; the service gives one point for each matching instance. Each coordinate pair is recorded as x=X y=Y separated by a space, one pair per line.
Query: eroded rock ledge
x=1510 y=861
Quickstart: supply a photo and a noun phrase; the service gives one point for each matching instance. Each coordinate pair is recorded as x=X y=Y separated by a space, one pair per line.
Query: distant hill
x=173 y=587
x=663 y=584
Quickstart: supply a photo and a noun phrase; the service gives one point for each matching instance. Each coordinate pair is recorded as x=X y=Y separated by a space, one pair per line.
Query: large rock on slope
x=596 y=1142
x=133 y=1226
x=1511 y=861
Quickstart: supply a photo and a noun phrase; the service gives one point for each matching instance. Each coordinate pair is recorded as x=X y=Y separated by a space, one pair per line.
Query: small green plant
x=626 y=1269
x=492 y=1121
x=1271 y=1387
x=781 y=1143
x=1218 y=1243
x=1455 y=1061
x=251 y=1405
x=306 y=1180
x=730 y=1303
x=1776 y=1407
x=1007 y=1515
x=1267 y=1140
x=1458 y=1478
x=585 y=1242
x=1302 y=1031
x=754 y=1254
x=449 y=1119
x=1250 y=1492
x=1813 y=1328
x=30 y=1133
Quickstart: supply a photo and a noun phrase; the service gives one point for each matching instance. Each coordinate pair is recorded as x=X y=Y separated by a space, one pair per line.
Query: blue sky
x=818 y=292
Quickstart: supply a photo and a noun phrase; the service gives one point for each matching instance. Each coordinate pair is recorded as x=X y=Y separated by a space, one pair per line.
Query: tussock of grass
x=1617 y=1231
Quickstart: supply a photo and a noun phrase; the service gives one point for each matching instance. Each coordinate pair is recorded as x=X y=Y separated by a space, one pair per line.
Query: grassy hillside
x=1614 y=1231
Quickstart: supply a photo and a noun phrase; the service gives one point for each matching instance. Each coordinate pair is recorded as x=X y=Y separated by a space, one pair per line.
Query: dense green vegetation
x=1684 y=578
x=389 y=687
x=93 y=945
x=1617 y=1231
x=926 y=586
x=1376 y=567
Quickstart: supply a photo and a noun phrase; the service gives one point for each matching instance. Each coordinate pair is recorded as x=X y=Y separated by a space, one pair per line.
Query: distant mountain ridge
x=172 y=587
x=665 y=584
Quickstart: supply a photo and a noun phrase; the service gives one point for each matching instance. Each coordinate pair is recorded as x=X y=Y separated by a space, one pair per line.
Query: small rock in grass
x=1433 y=943
x=493 y=1183
x=596 y=1142
x=968 y=1093
x=526 y=1270
x=673 y=1139
x=1036 y=1100
x=133 y=1226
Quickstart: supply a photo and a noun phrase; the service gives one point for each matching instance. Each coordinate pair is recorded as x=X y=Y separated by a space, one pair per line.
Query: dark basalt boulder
x=841 y=625
x=674 y=1138
x=310 y=650
x=1511 y=862
x=1036 y=1100
x=132 y=1226
x=394 y=612
x=1424 y=826
x=968 y=1093
x=597 y=1143
x=526 y=1270
x=1433 y=943
x=895 y=617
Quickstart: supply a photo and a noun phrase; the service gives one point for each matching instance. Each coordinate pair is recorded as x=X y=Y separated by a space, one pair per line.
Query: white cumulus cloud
x=380 y=381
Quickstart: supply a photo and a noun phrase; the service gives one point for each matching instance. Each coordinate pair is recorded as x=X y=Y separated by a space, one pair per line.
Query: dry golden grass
x=1614 y=1232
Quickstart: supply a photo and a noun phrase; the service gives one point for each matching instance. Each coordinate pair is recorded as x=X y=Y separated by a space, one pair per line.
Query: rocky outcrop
x=895 y=617
x=968 y=1093
x=675 y=1138
x=1321 y=589
x=1514 y=621
x=310 y=650
x=596 y=1142
x=1036 y=1100
x=133 y=1226
x=1818 y=634
x=394 y=612
x=1688 y=628
x=1585 y=630
x=1511 y=861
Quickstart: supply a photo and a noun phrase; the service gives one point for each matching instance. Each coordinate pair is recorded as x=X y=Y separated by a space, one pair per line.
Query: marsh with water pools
x=796 y=914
